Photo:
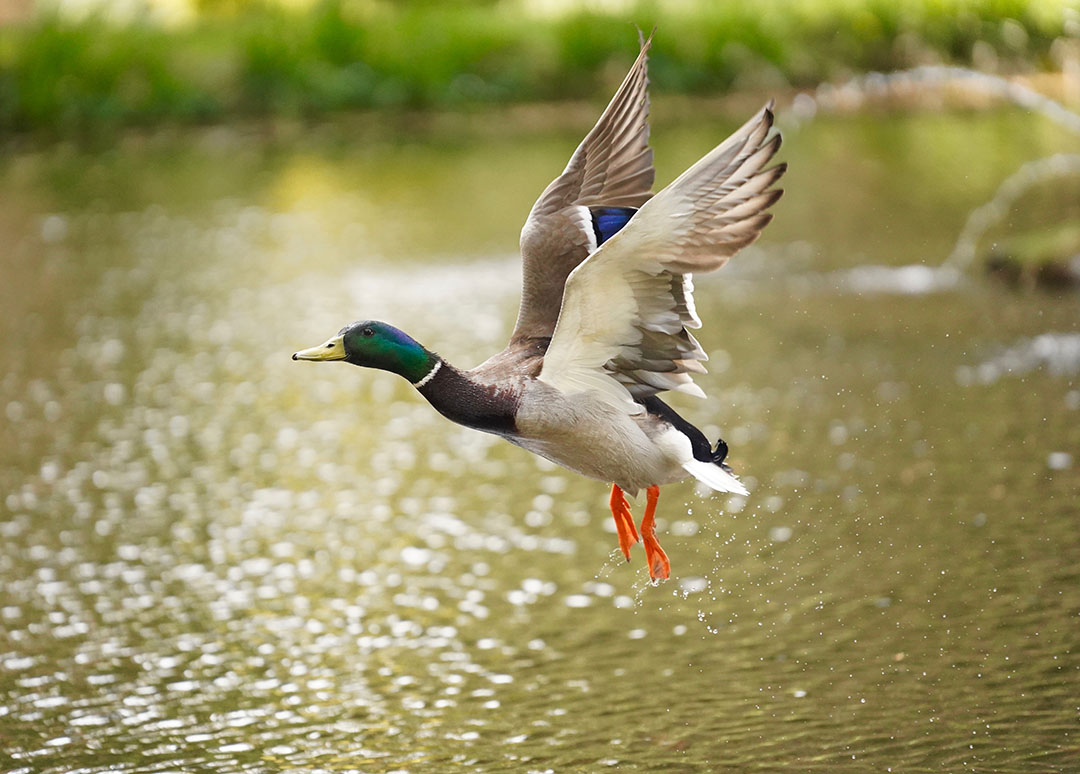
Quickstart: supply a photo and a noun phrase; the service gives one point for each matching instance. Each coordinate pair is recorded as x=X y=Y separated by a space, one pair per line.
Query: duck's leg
x=659 y=566
x=624 y=521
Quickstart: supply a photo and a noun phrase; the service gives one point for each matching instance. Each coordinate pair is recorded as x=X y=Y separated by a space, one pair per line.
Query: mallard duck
x=606 y=304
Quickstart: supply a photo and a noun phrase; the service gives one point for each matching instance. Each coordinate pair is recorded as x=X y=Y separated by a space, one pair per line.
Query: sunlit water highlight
x=215 y=558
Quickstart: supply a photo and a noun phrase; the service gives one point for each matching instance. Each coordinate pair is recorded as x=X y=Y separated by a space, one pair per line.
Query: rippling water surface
x=216 y=559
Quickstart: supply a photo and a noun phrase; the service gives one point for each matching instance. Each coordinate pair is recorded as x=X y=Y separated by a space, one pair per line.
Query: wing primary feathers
x=612 y=167
x=627 y=308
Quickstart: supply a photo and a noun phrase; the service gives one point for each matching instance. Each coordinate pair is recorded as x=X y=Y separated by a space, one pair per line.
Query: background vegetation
x=63 y=75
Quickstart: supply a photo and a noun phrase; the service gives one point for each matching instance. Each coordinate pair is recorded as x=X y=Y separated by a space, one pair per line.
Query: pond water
x=216 y=559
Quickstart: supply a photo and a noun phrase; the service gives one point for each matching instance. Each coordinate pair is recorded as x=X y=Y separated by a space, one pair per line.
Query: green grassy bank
x=66 y=77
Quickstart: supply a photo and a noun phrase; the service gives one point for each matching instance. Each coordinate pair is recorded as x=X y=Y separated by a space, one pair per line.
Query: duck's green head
x=374 y=344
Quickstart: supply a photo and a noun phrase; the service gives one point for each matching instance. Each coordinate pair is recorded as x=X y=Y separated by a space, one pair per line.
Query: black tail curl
x=719 y=454
x=698 y=442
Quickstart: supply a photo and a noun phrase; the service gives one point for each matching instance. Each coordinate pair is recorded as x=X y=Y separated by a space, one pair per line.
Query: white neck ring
x=430 y=375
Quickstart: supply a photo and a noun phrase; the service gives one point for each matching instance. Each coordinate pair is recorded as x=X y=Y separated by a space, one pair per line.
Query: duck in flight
x=606 y=304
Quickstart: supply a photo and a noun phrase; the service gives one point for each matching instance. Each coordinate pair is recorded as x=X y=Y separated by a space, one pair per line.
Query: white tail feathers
x=712 y=475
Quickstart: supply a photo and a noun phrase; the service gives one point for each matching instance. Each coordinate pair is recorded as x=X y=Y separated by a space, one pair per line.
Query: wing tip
x=645 y=43
x=768 y=113
x=690 y=388
x=772 y=196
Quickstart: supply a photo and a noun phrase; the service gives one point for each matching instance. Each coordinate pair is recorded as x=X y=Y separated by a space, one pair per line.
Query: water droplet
x=780 y=534
x=1059 y=460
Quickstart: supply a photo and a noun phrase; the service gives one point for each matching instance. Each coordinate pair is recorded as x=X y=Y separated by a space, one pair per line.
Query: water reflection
x=215 y=558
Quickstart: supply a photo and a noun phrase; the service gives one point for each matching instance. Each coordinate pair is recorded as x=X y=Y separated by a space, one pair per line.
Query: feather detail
x=626 y=309
x=714 y=477
x=612 y=168
x=607 y=221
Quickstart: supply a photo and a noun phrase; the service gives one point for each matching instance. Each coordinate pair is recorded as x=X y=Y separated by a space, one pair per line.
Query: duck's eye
x=368 y=331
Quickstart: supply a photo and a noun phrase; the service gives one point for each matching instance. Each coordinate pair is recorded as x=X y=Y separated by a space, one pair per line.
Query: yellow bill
x=333 y=349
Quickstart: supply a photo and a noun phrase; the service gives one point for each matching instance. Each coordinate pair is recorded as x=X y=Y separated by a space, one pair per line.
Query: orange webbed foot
x=659 y=566
x=624 y=521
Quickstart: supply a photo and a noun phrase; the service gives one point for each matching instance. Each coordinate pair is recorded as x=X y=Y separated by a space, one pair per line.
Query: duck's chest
x=596 y=440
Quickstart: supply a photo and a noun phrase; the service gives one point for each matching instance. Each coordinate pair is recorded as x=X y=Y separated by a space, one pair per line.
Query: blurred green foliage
x=242 y=57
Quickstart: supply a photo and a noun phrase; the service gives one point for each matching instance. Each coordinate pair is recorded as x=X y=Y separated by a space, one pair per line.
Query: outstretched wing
x=622 y=330
x=611 y=169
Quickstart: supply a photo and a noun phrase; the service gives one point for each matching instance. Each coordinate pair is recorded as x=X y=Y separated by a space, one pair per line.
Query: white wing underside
x=622 y=328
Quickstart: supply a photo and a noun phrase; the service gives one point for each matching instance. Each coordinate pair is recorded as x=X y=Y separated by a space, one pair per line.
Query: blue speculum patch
x=607 y=221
